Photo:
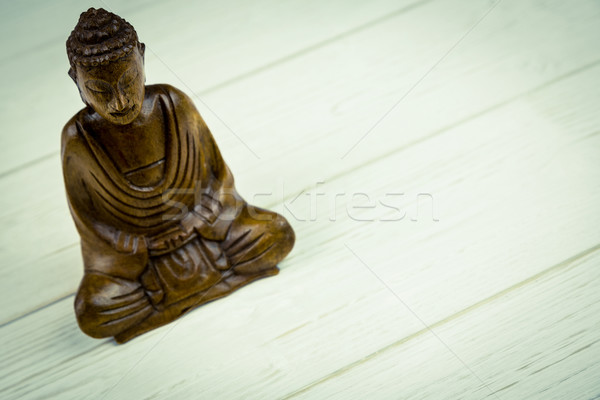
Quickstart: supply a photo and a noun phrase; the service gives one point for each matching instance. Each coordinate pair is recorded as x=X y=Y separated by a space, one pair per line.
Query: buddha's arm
x=217 y=200
x=77 y=163
x=222 y=184
x=111 y=297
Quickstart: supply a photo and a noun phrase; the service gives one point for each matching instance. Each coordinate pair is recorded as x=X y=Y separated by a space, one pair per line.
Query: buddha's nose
x=120 y=102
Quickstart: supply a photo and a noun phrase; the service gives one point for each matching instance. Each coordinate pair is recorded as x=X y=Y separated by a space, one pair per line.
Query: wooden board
x=341 y=314
x=537 y=340
x=495 y=152
x=339 y=114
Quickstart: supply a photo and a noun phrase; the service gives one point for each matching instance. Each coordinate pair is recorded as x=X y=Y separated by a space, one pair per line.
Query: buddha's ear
x=73 y=75
x=142 y=48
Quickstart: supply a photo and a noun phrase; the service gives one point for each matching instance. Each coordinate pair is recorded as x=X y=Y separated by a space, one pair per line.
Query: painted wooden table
x=438 y=159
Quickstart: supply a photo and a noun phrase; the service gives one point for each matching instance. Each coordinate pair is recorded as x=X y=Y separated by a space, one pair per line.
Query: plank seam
x=318 y=45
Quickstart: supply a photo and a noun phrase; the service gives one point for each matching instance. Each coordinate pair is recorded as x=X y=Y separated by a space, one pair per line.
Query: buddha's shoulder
x=74 y=144
x=179 y=98
x=72 y=135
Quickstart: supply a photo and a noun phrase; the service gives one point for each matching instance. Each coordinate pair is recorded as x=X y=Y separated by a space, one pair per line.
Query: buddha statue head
x=107 y=65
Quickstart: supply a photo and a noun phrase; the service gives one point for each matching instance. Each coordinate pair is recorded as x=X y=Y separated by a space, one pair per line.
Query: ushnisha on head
x=107 y=64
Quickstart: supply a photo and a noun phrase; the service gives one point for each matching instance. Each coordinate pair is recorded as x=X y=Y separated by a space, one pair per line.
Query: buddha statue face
x=115 y=90
x=107 y=64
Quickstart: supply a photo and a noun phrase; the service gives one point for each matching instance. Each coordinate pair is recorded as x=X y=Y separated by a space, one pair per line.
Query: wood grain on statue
x=163 y=229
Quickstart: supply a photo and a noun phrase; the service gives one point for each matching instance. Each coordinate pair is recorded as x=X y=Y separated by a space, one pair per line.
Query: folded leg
x=257 y=240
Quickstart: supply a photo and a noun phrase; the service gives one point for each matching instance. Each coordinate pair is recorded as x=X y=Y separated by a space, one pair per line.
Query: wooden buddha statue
x=162 y=227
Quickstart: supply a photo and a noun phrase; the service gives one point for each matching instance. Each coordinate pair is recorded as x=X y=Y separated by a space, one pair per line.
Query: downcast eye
x=96 y=87
x=129 y=77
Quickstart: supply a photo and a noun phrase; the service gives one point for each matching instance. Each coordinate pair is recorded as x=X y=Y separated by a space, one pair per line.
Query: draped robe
x=153 y=252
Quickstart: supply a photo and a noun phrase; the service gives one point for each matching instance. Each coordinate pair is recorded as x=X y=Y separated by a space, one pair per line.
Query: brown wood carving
x=162 y=227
